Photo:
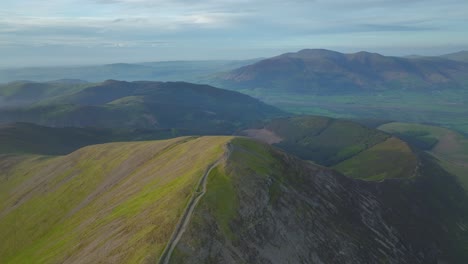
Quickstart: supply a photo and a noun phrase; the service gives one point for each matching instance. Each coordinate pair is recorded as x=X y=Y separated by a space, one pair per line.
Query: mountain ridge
x=325 y=71
x=145 y=104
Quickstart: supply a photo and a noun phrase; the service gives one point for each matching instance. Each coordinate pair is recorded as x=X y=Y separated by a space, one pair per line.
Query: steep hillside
x=328 y=72
x=114 y=203
x=220 y=200
x=178 y=105
x=264 y=206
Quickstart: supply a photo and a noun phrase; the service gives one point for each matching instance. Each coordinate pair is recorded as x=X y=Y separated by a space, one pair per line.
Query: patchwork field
x=446 y=108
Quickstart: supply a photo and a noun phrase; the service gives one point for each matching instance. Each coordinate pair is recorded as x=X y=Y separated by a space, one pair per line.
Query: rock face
x=285 y=210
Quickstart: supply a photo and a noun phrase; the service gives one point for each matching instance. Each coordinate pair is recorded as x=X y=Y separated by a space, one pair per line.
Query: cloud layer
x=57 y=31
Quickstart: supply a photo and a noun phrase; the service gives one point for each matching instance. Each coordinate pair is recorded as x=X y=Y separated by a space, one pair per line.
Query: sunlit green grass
x=389 y=159
x=450 y=148
x=116 y=202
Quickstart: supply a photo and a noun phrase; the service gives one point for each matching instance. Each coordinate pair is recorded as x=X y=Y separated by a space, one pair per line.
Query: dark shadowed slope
x=155 y=105
x=27 y=138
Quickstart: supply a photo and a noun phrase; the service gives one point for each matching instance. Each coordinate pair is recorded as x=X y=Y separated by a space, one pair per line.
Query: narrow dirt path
x=188 y=212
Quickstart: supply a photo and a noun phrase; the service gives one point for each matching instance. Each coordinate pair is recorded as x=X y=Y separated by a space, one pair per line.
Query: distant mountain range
x=327 y=72
x=309 y=69
x=191 y=71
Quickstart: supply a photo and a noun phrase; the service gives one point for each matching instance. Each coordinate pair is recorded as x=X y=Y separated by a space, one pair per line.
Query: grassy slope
x=392 y=158
x=324 y=140
x=115 y=202
x=353 y=149
x=449 y=147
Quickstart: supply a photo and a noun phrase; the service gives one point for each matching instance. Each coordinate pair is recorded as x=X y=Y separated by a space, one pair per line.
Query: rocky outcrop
x=292 y=211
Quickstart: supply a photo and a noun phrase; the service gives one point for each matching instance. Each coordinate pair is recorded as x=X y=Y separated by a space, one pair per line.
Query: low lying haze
x=72 y=32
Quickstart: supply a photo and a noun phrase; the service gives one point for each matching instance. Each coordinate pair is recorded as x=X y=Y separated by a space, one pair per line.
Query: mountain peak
x=327 y=72
x=313 y=54
x=364 y=55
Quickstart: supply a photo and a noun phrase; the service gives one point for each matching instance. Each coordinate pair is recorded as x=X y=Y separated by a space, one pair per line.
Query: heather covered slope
x=115 y=202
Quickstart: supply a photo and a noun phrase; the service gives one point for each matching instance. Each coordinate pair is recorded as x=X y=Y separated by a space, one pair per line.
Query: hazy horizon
x=88 y=32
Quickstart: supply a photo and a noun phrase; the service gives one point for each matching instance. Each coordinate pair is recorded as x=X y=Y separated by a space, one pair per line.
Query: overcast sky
x=60 y=32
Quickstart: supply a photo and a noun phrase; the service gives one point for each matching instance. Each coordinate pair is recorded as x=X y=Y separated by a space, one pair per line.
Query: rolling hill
x=21 y=93
x=353 y=149
x=122 y=202
x=448 y=147
x=149 y=105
